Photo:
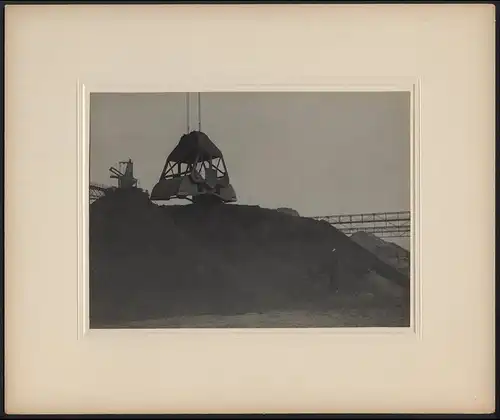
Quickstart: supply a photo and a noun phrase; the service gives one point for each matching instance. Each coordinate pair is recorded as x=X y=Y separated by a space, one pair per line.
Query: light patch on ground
x=294 y=319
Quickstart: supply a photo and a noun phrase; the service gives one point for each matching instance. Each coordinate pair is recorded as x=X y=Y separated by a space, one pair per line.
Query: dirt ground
x=359 y=312
x=295 y=319
x=232 y=266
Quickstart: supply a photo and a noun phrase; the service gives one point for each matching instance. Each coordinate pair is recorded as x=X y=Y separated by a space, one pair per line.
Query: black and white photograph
x=250 y=209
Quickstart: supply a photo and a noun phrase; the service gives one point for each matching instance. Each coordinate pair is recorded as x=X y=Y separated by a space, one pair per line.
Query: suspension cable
x=187 y=112
x=199 y=111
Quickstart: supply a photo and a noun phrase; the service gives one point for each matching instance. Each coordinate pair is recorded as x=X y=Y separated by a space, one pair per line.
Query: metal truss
x=97 y=191
x=387 y=224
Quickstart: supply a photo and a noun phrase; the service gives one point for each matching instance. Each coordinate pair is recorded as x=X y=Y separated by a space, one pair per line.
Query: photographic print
x=250 y=209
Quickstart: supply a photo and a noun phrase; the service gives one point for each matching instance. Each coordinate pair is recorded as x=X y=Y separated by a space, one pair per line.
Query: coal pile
x=149 y=261
x=388 y=252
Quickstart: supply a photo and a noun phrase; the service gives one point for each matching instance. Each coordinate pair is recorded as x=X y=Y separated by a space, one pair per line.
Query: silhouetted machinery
x=124 y=175
x=195 y=170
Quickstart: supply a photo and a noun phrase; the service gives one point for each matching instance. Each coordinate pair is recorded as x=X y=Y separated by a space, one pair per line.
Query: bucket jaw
x=194 y=169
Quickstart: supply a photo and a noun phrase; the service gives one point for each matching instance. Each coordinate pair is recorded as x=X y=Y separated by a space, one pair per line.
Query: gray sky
x=320 y=153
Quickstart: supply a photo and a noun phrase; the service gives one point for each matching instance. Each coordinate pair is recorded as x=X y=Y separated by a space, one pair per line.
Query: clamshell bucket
x=193 y=169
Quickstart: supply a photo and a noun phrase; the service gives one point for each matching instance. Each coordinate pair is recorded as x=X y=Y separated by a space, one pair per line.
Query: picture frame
x=55 y=55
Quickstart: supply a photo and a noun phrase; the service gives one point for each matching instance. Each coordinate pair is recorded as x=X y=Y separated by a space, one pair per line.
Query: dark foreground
x=232 y=266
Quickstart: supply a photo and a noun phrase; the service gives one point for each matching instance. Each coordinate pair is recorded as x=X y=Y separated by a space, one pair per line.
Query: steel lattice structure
x=387 y=224
x=97 y=191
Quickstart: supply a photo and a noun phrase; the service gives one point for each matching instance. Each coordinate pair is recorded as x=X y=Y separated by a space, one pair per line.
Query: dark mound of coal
x=391 y=253
x=150 y=261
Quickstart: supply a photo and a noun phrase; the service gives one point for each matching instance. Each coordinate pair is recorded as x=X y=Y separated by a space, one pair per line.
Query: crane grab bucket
x=195 y=170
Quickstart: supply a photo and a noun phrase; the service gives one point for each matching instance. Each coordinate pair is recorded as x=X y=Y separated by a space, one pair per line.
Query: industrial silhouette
x=161 y=266
x=194 y=171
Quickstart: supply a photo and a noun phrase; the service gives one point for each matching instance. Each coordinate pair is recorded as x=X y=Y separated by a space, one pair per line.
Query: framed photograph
x=268 y=212
x=295 y=247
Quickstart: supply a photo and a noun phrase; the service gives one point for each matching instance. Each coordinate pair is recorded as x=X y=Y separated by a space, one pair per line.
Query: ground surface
x=232 y=266
x=373 y=317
